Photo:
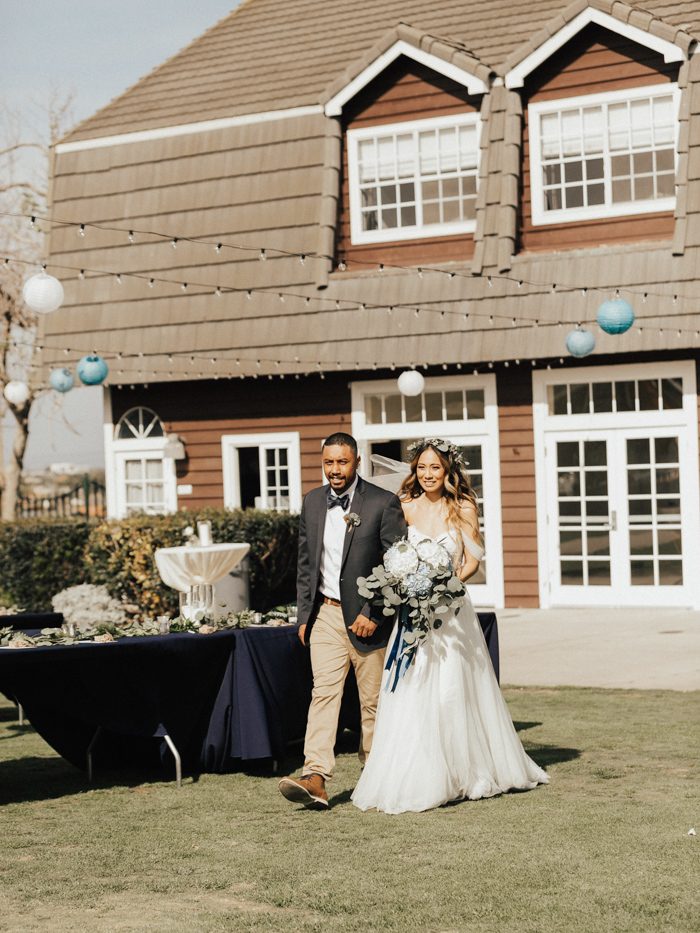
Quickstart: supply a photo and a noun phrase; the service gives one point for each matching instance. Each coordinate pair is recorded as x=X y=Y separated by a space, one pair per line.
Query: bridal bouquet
x=418 y=582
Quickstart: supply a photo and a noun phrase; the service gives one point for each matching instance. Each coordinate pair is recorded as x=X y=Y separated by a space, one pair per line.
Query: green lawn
x=603 y=848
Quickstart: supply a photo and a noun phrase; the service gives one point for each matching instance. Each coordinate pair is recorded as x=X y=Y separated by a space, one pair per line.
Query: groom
x=344 y=529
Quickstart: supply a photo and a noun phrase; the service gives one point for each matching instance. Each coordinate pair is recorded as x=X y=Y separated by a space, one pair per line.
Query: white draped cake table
x=187 y=566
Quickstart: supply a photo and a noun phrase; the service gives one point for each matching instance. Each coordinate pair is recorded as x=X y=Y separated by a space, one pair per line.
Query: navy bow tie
x=343 y=501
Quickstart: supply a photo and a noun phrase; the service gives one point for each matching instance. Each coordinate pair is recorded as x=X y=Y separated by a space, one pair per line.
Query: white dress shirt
x=334 y=532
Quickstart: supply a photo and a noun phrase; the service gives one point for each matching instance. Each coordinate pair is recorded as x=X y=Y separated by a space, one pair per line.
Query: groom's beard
x=339 y=490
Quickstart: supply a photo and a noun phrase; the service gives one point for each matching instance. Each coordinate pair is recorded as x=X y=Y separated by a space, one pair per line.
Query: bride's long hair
x=457 y=489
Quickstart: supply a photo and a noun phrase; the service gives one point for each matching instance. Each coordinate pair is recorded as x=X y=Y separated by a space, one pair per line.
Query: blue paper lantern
x=61 y=379
x=92 y=370
x=580 y=342
x=615 y=316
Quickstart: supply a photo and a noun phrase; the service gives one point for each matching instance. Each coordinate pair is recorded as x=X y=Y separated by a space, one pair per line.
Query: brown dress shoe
x=309 y=789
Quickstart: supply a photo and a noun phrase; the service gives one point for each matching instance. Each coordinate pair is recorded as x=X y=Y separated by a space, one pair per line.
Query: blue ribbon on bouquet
x=396 y=658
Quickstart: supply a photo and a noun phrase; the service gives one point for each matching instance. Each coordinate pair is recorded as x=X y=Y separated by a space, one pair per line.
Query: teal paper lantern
x=61 y=379
x=615 y=316
x=580 y=342
x=92 y=370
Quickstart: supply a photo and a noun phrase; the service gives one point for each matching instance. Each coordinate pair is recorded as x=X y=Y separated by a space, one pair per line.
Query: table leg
x=90 y=747
x=176 y=756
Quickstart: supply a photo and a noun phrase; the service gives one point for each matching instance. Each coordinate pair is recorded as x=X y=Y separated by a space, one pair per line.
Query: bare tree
x=24 y=168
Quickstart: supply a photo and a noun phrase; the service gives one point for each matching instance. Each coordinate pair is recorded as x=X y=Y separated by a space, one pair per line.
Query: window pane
x=666 y=449
x=133 y=469
x=392 y=405
x=568 y=453
x=672 y=393
x=557 y=400
x=595 y=453
x=475 y=403
x=154 y=469
x=579 y=398
x=602 y=396
x=413 y=406
x=638 y=450
x=670 y=573
x=454 y=406
x=572 y=573
x=624 y=396
x=433 y=406
x=598 y=573
x=373 y=409
x=642 y=572
x=648 y=394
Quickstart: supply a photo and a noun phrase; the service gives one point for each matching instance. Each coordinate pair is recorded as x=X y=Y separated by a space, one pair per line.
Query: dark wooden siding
x=519 y=517
x=405 y=91
x=201 y=412
x=593 y=62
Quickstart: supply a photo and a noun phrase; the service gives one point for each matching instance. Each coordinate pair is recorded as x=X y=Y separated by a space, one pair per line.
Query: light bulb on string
x=131 y=236
x=262 y=255
x=81 y=274
x=217 y=291
x=151 y=283
x=342 y=266
x=302 y=259
x=81 y=230
x=218 y=247
x=174 y=242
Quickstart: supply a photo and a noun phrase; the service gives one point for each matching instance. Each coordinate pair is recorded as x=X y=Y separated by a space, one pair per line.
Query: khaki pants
x=332 y=653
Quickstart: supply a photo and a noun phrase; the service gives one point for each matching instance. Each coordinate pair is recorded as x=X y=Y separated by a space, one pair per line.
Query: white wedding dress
x=445 y=733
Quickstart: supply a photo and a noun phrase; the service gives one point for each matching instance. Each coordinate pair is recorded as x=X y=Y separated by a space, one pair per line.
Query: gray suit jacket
x=381 y=523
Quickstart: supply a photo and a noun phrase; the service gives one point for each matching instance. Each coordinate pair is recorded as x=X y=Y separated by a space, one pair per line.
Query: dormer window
x=413 y=179
x=603 y=155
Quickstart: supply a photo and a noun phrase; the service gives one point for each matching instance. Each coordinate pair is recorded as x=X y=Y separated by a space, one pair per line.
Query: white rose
x=400 y=560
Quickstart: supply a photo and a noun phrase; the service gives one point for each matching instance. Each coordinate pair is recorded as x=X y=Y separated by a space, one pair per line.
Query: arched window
x=144 y=478
x=139 y=424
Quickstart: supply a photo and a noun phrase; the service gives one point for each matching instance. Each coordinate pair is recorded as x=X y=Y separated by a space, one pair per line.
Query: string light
x=81 y=230
x=131 y=236
x=174 y=242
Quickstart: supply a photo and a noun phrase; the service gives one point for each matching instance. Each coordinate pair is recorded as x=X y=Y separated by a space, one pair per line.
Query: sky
x=95 y=50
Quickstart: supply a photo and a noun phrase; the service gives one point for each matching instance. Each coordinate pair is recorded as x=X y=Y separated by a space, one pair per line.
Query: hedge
x=41 y=557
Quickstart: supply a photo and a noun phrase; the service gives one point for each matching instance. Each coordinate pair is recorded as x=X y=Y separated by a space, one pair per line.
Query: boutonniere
x=352 y=520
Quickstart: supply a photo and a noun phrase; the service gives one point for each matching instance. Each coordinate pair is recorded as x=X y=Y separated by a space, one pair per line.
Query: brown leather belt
x=328 y=601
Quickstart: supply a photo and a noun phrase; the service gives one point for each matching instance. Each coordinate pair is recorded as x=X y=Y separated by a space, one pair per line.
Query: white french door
x=462 y=409
x=621 y=526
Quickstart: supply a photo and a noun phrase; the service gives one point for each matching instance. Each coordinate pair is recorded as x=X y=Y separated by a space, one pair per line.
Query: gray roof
x=274 y=185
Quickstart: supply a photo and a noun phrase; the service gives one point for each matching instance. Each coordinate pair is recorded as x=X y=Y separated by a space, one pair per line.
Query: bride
x=445 y=733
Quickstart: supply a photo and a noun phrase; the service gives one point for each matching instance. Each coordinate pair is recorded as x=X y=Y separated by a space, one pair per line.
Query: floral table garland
x=108 y=632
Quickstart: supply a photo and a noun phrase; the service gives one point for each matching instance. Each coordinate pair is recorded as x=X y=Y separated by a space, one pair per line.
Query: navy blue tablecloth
x=232 y=696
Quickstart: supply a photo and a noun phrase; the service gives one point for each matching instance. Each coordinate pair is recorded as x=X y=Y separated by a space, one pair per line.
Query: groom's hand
x=363 y=627
x=301 y=633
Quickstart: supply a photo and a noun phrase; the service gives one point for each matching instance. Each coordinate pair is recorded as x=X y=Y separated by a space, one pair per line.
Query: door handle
x=613 y=520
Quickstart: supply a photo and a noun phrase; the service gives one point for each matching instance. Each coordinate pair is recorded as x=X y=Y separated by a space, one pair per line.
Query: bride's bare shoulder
x=409 y=507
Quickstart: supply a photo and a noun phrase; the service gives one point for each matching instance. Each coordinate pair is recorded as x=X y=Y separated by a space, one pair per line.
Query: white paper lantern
x=16 y=392
x=411 y=382
x=43 y=293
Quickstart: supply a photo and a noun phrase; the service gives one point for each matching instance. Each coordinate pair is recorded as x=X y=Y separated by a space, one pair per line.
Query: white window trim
x=541 y=217
x=353 y=137
x=118 y=450
x=516 y=76
x=474 y=85
x=543 y=423
x=229 y=452
x=480 y=430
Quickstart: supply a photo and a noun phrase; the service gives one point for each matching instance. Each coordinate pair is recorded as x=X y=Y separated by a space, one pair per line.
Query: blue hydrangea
x=417 y=584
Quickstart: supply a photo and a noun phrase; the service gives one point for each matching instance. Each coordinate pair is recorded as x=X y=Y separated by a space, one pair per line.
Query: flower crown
x=451 y=451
